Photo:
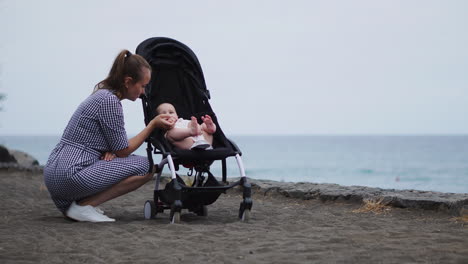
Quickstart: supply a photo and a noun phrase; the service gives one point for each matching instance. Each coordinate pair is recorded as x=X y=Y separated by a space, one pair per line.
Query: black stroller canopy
x=177 y=77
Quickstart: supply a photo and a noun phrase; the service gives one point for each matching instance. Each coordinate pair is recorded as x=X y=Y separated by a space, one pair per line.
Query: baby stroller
x=177 y=78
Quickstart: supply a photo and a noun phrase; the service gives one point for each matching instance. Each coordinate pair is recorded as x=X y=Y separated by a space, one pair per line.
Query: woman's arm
x=160 y=121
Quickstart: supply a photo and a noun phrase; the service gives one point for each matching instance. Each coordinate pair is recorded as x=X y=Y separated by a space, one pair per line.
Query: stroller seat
x=177 y=78
x=197 y=155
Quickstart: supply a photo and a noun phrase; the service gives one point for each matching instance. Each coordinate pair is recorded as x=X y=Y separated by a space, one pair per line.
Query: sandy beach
x=281 y=230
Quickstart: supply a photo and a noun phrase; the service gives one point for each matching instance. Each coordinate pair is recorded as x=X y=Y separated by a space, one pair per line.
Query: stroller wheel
x=149 y=210
x=245 y=215
x=244 y=212
x=202 y=211
x=175 y=219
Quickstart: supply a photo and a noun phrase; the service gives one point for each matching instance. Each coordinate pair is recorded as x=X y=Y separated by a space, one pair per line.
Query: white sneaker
x=200 y=144
x=86 y=213
x=99 y=210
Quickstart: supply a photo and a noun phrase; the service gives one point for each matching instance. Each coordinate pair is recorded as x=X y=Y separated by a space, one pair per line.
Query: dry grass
x=188 y=180
x=374 y=206
x=461 y=219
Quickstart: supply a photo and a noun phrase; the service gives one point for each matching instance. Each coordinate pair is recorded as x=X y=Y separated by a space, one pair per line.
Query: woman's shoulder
x=106 y=95
x=102 y=98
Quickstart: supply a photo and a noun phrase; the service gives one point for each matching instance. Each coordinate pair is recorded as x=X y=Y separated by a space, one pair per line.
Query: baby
x=188 y=134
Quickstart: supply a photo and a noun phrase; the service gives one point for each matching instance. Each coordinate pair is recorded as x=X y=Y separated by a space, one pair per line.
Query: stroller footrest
x=222 y=188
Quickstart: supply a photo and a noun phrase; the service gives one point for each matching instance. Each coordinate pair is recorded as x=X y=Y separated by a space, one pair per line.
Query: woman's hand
x=108 y=156
x=163 y=121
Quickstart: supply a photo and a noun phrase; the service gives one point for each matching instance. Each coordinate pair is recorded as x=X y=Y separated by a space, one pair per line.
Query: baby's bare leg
x=208 y=137
x=208 y=126
x=195 y=128
x=182 y=137
x=183 y=144
x=180 y=133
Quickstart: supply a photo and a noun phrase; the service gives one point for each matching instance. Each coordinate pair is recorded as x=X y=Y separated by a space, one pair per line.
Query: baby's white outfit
x=184 y=123
x=199 y=142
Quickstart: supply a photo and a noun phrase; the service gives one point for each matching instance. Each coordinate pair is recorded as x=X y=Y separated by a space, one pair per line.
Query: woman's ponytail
x=125 y=64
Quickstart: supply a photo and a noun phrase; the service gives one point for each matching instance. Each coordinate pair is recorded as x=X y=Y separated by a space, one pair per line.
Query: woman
x=92 y=163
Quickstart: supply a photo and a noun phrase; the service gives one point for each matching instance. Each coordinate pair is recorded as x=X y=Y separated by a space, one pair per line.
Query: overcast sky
x=273 y=67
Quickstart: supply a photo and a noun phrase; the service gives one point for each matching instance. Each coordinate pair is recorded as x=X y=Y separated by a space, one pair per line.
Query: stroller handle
x=149 y=148
x=144 y=101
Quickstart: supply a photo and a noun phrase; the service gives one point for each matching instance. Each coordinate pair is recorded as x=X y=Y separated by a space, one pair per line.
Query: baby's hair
x=157 y=108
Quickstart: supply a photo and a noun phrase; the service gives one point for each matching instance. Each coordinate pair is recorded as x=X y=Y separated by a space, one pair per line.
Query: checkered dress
x=74 y=169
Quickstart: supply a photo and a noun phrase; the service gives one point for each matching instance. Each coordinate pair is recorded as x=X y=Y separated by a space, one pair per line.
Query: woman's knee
x=148 y=177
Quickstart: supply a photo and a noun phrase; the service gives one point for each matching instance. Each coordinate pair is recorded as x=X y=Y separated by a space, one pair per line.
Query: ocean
x=429 y=163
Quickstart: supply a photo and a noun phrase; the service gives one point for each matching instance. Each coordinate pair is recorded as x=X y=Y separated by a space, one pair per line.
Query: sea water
x=432 y=163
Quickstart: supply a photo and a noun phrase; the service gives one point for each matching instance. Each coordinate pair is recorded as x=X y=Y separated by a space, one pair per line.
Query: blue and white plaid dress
x=74 y=169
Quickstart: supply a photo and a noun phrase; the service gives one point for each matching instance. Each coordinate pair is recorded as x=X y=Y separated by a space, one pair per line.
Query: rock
x=464 y=211
x=453 y=203
x=5 y=155
x=23 y=158
x=16 y=159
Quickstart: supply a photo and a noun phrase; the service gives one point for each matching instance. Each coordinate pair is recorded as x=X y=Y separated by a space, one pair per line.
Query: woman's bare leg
x=125 y=186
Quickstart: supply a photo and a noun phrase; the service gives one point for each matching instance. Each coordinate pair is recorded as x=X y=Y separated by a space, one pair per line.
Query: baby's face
x=167 y=109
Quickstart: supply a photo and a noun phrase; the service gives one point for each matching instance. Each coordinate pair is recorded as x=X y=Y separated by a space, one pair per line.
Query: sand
x=281 y=230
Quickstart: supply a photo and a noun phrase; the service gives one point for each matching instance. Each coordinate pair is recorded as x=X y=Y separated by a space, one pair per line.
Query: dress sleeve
x=111 y=120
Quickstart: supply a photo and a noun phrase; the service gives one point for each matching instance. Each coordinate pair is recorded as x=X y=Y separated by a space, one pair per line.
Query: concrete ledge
x=453 y=203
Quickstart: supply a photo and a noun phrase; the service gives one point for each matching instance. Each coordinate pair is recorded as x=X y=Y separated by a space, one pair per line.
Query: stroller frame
x=204 y=190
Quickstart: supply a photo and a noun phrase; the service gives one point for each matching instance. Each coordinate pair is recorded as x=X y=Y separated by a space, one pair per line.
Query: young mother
x=92 y=163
